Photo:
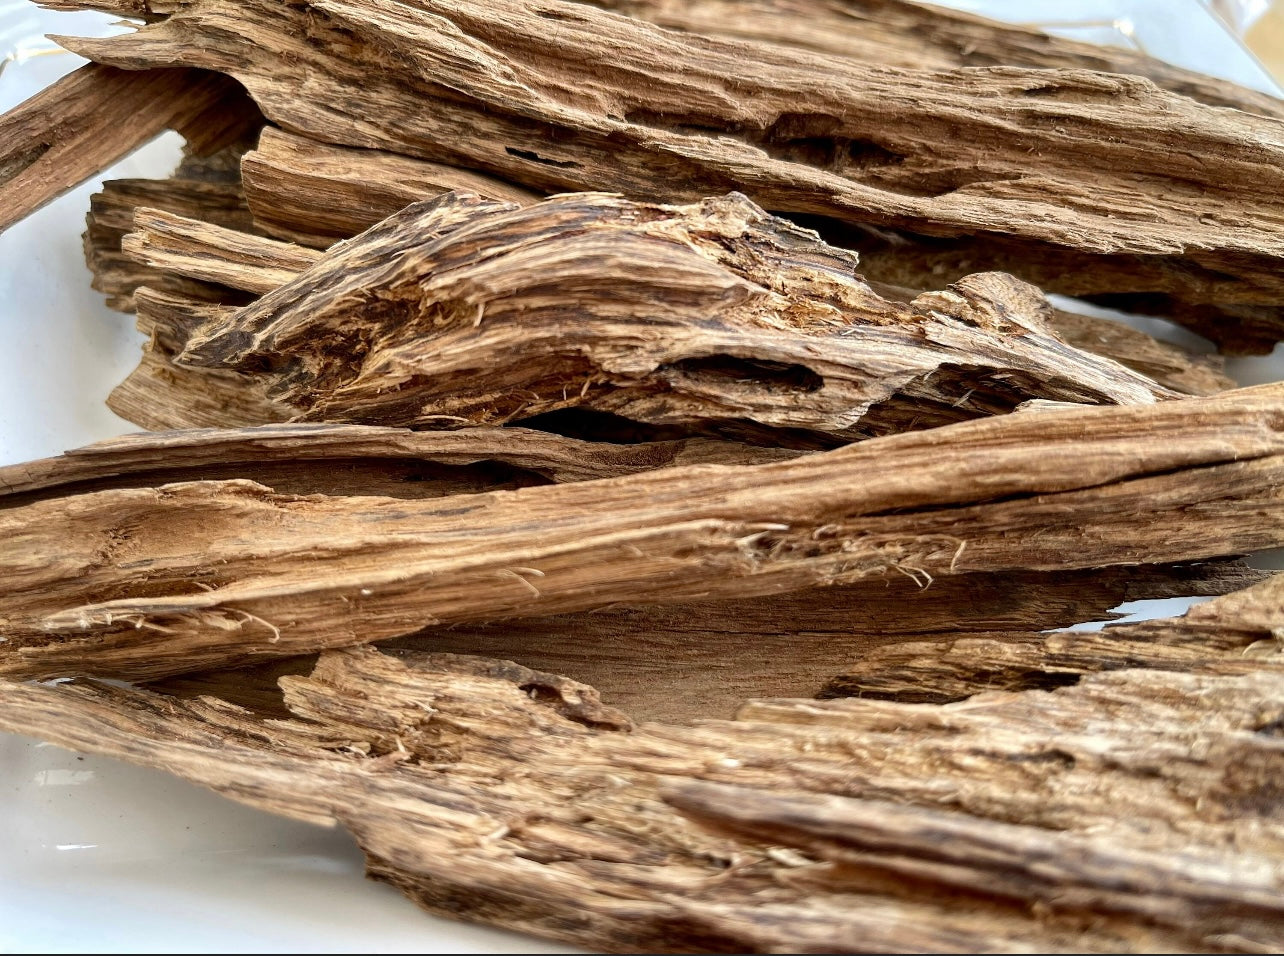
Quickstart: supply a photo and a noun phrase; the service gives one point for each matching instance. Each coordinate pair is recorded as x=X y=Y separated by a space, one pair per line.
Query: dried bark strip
x=705 y=317
x=144 y=583
x=1233 y=634
x=303 y=459
x=206 y=188
x=922 y=36
x=89 y=119
x=160 y=395
x=1092 y=184
x=685 y=662
x=316 y=193
x=1134 y=812
x=176 y=244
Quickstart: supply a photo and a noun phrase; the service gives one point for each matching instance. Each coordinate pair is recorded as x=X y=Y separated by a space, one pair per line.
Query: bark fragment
x=1136 y=811
x=1095 y=184
x=704 y=317
x=146 y=582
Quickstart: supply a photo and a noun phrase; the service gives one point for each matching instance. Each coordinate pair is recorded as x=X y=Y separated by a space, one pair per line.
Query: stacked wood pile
x=536 y=386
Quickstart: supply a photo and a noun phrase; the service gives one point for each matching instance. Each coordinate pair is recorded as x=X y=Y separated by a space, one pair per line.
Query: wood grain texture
x=308 y=458
x=148 y=582
x=205 y=187
x=317 y=193
x=1092 y=184
x=1134 y=811
x=1233 y=634
x=314 y=193
x=924 y=36
x=710 y=317
x=96 y=115
x=685 y=662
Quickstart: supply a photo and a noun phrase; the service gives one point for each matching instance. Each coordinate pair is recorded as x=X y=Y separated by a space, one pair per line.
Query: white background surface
x=99 y=856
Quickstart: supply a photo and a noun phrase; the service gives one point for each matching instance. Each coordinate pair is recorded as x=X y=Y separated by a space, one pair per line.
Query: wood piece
x=173 y=250
x=1093 y=184
x=1135 y=811
x=693 y=661
x=159 y=395
x=308 y=459
x=927 y=37
x=316 y=193
x=177 y=244
x=208 y=188
x=96 y=115
x=1232 y=634
x=705 y=317
x=149 y=582
x=1170 y=365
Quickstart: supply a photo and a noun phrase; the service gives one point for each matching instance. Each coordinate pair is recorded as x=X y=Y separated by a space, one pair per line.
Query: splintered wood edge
x=1179 y=481
x=819 y=822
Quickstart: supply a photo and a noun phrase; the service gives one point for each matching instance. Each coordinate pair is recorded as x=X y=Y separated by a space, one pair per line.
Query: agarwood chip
x=923 y=36
x=1131 y=812
x=705 y=317
x=96 y=115
x=147 y=582
x=1234 y=634
x=1092 y=184
x=685 y=662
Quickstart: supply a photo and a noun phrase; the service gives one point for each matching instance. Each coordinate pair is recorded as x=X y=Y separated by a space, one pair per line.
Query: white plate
x=99 y=856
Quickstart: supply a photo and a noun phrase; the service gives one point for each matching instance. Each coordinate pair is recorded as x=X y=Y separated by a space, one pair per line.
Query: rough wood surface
x=86 y=121
x=116 y=274
x=357 y=460
x=706 y=317
x=691 y=661
x=1094 y=184
x=1134 y=811
x=176 y=244
x=148 y=582
x=1170 y=365
x=923 y=36
x=203 y=187
x=1233 y=634
x=159 y=395
x=316 y=193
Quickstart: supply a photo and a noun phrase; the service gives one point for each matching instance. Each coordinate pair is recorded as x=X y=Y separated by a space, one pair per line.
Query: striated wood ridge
x=686 y=662
x=317 y=193
x=1232 y=635
x=924 y=36
x=1093 y=184
x=96 y=115
x=1134 y=811
x=222 y=256
x=151 y=581
x=309 y=458
x=713 y=317
x=203 y=187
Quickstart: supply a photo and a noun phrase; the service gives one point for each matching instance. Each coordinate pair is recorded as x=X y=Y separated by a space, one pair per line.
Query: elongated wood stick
x=1091 y=184
x=89 y=119
x=148 y=582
